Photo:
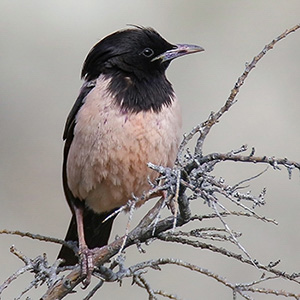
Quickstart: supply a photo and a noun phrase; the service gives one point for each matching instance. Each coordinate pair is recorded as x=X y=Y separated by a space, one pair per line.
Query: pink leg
x=86 y=255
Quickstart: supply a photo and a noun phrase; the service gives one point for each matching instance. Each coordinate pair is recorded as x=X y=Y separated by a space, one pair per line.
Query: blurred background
x=43 y=45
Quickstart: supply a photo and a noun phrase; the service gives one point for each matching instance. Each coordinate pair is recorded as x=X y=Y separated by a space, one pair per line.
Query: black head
x=130 y=50
x=135 y=59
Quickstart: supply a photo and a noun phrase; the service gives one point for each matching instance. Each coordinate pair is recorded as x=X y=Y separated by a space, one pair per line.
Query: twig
x=195 y=175
x=274 y=162
x=176 y=197
x=227 y=228
x=94 y=290
x=130 y=215
x=204 y=128
x=39 y=266
x=35 y=236
x=168 y=237
x=13 y=277
x=239 y=288
x=232 y=213
x=142 y=282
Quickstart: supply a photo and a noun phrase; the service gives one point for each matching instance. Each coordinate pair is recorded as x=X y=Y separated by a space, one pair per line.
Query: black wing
x=68 y=137
x=70 y=123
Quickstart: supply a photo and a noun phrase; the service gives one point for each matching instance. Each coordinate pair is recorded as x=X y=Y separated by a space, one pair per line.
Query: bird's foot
x=87 y=265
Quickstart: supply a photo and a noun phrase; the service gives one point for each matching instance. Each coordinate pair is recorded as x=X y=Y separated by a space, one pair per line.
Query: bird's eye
x=147 y=52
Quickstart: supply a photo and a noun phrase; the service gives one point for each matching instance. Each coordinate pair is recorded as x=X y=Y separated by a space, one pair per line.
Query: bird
x=126 y=115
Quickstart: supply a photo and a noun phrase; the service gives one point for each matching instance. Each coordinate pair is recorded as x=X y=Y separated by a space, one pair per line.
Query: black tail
x=96 y=234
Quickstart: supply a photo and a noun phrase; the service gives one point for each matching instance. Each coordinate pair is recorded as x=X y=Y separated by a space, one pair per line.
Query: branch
x=138 y=235
x=39 y=266
x=204 y=128
x=192 y=173
x=39 y=237
x=169 y=237
x=237 y=288
x=272 y=161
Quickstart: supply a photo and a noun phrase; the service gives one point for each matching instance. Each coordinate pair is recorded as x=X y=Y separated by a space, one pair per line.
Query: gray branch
x=192 y=178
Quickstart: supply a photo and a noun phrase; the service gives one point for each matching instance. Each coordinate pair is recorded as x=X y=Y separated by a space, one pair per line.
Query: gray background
x=43 y=45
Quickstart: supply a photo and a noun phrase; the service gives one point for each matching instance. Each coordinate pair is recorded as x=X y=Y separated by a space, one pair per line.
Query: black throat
x=136 y=95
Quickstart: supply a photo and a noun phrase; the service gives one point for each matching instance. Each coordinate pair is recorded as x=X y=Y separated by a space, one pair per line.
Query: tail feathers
x=96 y=234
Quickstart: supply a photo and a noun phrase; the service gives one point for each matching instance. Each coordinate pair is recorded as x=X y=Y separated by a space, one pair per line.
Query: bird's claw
x=87 y=265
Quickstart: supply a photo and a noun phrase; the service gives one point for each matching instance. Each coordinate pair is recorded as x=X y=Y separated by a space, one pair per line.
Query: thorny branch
x=38 y=237
x=205 y=127
x=191 y=179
